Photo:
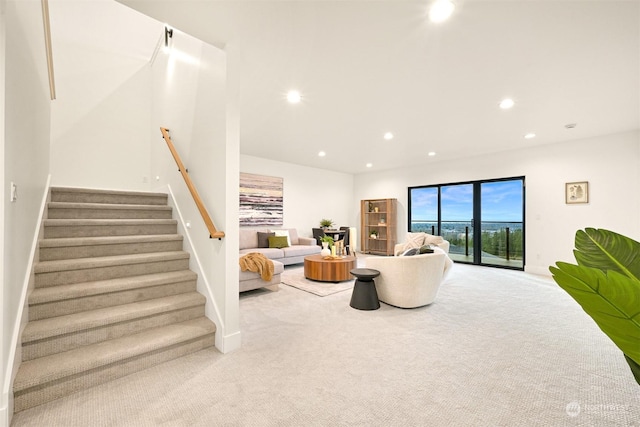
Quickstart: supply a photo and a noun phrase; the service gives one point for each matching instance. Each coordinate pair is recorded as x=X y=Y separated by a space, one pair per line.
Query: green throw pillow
x=426 y=249
x=278 y=242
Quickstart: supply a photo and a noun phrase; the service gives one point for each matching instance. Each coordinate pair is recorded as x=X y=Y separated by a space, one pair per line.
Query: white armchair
x=410 y=281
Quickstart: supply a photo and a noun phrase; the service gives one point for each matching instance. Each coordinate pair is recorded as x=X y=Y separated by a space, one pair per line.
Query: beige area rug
x=296 y=279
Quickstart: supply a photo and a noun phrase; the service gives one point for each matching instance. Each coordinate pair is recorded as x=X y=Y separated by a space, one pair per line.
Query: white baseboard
x=212 y=312
x=15 y=349
x=539 y=270
x=229 y=343
x=4 y=417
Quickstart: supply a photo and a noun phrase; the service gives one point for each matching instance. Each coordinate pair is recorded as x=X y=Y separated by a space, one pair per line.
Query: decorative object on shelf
x=576 y=192
x=382 y=221
x=370 y=207
x=606 y=283
x=326 y=223
x=373 y=234
x=376 y=209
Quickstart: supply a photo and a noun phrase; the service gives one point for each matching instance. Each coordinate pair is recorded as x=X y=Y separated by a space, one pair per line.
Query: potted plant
x=373 y=234
x=326 y=241
x=606 y=283
x=326 y=223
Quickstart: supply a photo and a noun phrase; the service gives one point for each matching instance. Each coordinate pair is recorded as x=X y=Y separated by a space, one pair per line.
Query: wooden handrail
x=49 y=51
x=213 y=232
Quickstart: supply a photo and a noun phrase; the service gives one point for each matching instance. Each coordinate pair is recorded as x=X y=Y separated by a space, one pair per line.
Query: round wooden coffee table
x=328 y=270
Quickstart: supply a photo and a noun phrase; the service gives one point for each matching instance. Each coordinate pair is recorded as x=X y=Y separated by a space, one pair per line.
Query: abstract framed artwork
x=261 y=201
x=576 y=192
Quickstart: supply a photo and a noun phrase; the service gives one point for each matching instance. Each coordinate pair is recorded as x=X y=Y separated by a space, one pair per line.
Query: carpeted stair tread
x=104 y=222
x=63 y=242
x=66 y=299
x=62 y=228
x=86 y=320
x=84 y=195
x=85 y=289
x=120 y=206
x=63 y=210
x=39 y=372
x=87 y=247
x=107 y=261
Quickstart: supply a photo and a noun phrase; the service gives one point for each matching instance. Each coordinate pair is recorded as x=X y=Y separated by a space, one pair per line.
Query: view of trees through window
x=492 y=210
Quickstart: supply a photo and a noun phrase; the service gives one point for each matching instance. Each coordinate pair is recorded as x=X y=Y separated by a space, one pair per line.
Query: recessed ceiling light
x=441 y=10
x=293 y=96
x=369 y=165
x=506 y=103
x=431 y=153
x=388 y=136
x=570 y=125
x=322 y=154
x=530 y=135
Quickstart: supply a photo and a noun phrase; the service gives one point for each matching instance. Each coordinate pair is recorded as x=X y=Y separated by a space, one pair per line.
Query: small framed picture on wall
x=576 y=192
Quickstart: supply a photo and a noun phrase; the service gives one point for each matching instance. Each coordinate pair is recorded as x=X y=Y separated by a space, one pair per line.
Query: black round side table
x=365 y=296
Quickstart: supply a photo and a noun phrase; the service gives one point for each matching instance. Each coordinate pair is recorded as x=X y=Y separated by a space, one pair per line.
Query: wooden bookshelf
x=378 y=216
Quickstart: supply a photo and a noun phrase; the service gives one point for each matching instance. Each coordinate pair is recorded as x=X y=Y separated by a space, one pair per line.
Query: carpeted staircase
x=113 y=294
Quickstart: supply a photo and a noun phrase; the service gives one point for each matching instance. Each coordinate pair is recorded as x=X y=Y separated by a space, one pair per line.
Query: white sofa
x=294 y=254
x=410 y=281
x=416 y=240
x=248 y=242
x=249 y=280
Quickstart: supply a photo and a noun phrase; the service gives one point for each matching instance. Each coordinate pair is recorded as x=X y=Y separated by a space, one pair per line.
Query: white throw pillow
x=283 y=233
x=430 y=239
x=414 y=240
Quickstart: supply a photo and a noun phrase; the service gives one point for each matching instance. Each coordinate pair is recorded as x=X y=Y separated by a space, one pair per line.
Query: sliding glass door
x=456 y=220
x=492 y=211
x=502 y=223
x=425 y=204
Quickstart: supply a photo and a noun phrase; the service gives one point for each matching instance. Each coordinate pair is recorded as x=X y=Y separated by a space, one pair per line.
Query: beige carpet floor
x=497 y=348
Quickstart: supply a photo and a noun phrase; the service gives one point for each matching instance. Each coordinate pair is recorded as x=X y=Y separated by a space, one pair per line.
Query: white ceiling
x=368 y=67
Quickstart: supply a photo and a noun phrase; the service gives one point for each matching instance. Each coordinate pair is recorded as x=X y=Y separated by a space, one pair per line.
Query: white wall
x=100 y=120
x=190 y=99
x=26 y=158
x=310 y=194
x=4 y=398
x=610 y=163
x=230 y=177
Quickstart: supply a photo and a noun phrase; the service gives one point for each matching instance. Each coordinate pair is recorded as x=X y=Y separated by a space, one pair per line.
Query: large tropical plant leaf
x=606 y=283
x=635 y=368
x=611 y=299
x=607 y=250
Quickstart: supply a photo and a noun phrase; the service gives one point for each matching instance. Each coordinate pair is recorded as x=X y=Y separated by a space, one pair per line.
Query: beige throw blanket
x=258 y=263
